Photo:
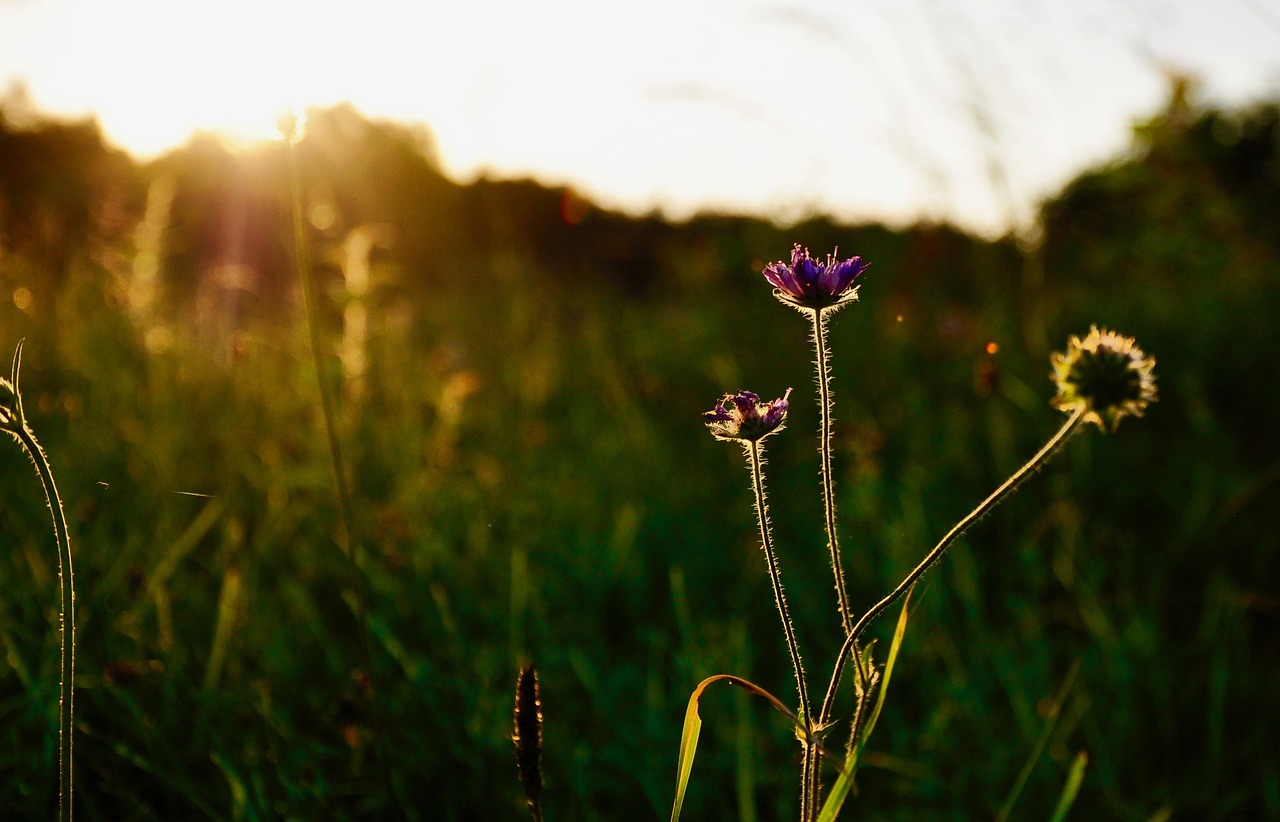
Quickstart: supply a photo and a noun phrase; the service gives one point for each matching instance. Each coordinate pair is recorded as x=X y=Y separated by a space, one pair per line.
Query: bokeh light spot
x=23 y=298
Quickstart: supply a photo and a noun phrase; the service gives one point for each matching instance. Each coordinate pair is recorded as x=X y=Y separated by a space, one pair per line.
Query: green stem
x=1070 y=427
x=335 y=456
x=67 y=604
x=755 y=451
x=825 y=404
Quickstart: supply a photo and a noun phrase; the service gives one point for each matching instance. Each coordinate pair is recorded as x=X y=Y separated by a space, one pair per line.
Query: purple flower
x=806 y=283
x=742 y=416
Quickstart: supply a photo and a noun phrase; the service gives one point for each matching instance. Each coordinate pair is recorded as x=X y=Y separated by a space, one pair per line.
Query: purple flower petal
x=782 y=277
x=814 y=284
x=743 y=416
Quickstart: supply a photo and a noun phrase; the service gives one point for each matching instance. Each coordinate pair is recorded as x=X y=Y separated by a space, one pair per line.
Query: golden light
x=23 y=298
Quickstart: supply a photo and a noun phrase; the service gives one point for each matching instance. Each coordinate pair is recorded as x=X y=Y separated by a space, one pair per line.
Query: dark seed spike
x=528 y=738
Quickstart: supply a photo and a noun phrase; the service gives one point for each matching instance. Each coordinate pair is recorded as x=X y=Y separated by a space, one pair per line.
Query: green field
x=532 y=482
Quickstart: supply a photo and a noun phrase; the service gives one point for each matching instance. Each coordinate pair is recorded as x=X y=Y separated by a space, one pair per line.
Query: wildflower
x=817 y=290
x=744 y=417
x=1105 y=374
x=808 y=284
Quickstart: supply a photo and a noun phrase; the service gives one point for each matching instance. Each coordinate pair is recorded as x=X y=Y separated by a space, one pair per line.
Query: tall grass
x=534 y=486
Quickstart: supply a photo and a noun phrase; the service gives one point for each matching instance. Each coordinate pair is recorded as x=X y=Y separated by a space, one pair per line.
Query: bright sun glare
x=228 y=71
x=876 y=111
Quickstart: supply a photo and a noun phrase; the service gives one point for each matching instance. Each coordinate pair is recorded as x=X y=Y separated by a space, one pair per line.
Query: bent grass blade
x=693 y=728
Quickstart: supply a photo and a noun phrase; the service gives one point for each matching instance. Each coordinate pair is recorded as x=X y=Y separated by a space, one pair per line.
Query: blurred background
x=522 y=348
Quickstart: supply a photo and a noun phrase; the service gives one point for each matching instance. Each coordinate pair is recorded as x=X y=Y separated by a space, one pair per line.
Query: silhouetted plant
x=1101 y=378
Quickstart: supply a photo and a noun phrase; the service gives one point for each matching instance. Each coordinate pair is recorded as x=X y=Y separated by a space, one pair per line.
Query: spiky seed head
x=1106 y=375
x=528 y=735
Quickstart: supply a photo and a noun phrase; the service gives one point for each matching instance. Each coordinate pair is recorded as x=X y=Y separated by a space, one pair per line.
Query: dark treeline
x=65 y=196
x=1198 y=192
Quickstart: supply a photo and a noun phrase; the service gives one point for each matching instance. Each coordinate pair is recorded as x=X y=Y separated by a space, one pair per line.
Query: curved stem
x=825 y=404
x=67 y=605
x=1070 y=427
x=755 y=458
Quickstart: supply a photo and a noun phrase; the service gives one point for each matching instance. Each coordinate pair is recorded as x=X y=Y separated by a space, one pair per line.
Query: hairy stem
x=1070 y=427
x=67 y=605
x=859 y=711
x=755 y=457
x=808 y=766
x=825 y=406
x=814 y=786
x=335 y=456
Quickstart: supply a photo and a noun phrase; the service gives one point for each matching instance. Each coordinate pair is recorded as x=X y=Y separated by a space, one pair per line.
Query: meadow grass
x=535 y=486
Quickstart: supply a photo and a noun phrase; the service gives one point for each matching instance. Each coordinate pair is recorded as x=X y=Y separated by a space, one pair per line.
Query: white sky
x=890 y=110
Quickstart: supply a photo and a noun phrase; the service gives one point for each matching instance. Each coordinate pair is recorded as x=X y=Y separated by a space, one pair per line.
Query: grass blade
x=1069 y=791
x=844 y=782
x=693 y=727
x=688 y=747
x=1041 y=741
x=224 y=626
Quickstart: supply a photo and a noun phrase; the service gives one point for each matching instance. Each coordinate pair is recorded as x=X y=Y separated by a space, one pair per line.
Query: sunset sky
x=968 y=110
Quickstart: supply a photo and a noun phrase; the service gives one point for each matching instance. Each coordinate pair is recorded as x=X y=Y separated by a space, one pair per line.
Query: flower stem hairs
x=817 y=290
x=746 y=419
x=13 y=421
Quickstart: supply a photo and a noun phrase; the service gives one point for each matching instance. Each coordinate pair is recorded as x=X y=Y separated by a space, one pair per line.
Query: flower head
x=806 y=283
x=1105 y=374
x=744 y=417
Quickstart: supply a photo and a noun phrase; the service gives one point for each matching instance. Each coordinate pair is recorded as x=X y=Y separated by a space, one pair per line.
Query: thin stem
x=814 y=786
x=755 y=457
x=807 y=768
x=335 y=457
x=1070 y=427
x=825 y=406
x=859 y=712
x=67 y=604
